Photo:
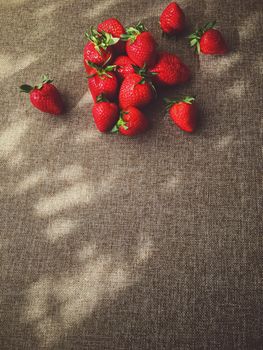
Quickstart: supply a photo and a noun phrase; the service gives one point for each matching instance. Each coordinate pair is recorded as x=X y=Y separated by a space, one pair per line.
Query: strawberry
x=98 y=50
x=131 y=122
x=170 y=70
x=137 y=89
x=172 y=20
x=105 y=114
x=116 y=29
x=209 y=41
x=140 y=46
x=103 y=80
x=97 y=57
x=124 y=66
x=45 y=96
x=183 y=112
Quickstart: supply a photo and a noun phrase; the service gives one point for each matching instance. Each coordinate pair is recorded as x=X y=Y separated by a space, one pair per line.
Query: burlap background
x=146 y=243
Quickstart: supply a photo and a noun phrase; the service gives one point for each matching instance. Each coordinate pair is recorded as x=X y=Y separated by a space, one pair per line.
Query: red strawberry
x=136 y=90
x=103 y=81
x=105 y=114
x=99 y=48
x=116 y=29
x=208 y=40
x=183 y=112
x=172 y=20
x=170 y=70
x=45 y=96
x=132 y=122
x=124 y=66
x=141 y=46
x=91 y=54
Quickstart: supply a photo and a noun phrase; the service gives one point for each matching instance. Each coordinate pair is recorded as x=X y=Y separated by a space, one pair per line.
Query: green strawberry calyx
x=144 y=73
x=28 y=88
x=196 y=36
x=101 y=98
x=133 y=32
x=120 y=123
x=187 y=99
x=101 y=70
x=146 y=76
x=101 y=40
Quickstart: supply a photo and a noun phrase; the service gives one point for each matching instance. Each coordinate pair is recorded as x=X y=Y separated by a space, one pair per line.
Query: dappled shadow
x=116 y=243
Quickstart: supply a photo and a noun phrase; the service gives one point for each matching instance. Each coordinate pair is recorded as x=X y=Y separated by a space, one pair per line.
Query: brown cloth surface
x=113 y=243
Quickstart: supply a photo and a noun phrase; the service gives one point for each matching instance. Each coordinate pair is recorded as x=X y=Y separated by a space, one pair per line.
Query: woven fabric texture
x=114 y=243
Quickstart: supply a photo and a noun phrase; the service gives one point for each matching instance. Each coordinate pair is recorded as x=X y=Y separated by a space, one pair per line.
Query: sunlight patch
x=37 y=297
x=73 y=65
x=144 y=251
x=75 y=297
x=237 y=90
x=77 y=194
x=10 y=65
x=60 y=228
x=13 y=2
x=172 y=181
x=249 y=27
x=11 y=137
x=85 y=100
x=71 y=173
x=218 y=65
x=46 y=10
x=98 y=7
x=32 y=180
x=89 y=134
x=15 y=160
x=224 y=142
x=87 y=252
x=74 y=195
x=56 y=134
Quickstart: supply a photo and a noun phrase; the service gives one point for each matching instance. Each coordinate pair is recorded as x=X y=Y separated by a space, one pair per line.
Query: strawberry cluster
x=125 y=71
